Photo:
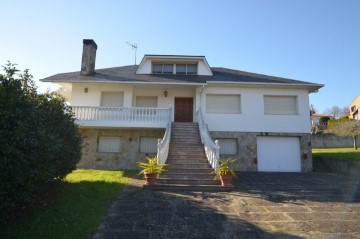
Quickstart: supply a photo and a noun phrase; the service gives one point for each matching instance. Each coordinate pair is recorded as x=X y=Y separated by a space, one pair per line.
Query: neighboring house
x=261 y=120
x=354 y=108
x=316 y=125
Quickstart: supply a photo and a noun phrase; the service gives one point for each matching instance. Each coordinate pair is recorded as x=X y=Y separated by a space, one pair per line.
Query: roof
x=126 y=74
x=322 y=115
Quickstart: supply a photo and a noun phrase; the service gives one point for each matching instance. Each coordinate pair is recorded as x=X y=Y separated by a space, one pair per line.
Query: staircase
x=188 y=167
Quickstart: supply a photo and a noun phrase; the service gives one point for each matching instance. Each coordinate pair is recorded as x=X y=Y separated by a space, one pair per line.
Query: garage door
x=278 y=154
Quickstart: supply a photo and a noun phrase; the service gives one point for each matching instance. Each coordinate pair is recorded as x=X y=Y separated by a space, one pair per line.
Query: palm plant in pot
x=151 y=169
x=225 y=173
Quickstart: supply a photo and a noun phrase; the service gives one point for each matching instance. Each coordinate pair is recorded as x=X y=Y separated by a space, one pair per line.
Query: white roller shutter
x=148 y=145
x=146 y=101
x=228 y=146
x=112 y=99
x=278 y=154
x=280 y=105
x=109 y=144
x=223 y=104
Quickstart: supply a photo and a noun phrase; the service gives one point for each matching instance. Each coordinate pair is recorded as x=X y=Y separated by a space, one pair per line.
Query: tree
x=39 y=141
x=350 y=128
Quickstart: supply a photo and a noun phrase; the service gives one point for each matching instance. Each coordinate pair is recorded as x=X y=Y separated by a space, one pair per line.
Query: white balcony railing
x=212 y=149
x=134 y=114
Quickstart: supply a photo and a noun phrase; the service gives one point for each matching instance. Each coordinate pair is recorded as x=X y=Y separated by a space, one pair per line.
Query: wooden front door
x=184 y=109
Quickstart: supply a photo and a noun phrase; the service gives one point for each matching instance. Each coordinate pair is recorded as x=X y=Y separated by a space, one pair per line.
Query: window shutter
x=228 y=146
x=223 y=104
x=109 y=144
x=148 y=145
x=191 y=69
x=146 y=101
x=112 y=99
x=180 y=69
x=280 y=105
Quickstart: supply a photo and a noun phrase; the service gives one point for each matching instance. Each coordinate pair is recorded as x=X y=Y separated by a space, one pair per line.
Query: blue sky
x=316 y=41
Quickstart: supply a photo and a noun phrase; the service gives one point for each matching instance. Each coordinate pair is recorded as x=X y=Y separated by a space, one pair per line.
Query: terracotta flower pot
x=226 y=180
x=150 y=178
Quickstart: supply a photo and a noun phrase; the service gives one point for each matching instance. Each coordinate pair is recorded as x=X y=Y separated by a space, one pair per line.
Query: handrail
x=163 y=145
x=212 y=149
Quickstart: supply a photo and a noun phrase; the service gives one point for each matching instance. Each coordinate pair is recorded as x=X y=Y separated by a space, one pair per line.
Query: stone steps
x=188 y=167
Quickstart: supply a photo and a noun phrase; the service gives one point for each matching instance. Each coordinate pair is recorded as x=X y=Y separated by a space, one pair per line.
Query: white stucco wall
x=252 y=117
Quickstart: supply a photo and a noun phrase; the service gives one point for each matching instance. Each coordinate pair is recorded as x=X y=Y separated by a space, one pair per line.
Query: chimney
x=88 y=57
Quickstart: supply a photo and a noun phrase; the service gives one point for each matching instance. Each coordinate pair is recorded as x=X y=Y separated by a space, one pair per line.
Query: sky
x=314 y=41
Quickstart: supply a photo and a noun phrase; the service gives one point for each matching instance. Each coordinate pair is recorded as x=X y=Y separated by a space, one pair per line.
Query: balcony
x=134 y=117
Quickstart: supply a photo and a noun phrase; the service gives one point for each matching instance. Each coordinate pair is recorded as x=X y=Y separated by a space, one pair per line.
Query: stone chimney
x=88 y=57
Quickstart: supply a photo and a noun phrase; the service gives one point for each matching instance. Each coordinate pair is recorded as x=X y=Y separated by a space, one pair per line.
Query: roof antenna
x=133 y=46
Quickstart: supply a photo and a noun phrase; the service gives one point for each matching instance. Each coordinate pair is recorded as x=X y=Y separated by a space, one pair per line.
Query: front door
x=184 y=109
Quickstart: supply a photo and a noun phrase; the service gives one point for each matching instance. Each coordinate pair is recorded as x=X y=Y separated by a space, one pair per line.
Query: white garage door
x=278 y=154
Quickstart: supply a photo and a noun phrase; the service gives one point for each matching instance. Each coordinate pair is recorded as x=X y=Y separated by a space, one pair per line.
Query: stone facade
x=129 y=153
x=247 y=148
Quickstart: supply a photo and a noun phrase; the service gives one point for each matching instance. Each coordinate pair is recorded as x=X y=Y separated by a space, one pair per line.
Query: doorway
x=184 y=110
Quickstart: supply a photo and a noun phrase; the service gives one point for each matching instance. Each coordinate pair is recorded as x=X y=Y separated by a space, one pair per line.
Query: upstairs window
x=180 y=69
x=280 y=105
x=186 y=69
x=223 y=104
x=353 y=108
x=162 y=69
x=112 y=99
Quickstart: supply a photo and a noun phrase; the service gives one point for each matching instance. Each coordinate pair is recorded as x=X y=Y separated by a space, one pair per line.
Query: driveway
x=263 y=205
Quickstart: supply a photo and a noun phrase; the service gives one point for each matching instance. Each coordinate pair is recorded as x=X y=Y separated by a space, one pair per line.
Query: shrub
x=324 y=119
x=39 y=142
x=335 y=122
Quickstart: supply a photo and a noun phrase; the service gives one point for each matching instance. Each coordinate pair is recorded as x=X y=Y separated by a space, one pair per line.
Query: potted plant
x=151 y=169
x=225 y=173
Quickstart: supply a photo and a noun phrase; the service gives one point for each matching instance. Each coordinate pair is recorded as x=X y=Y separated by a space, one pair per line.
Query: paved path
x=263 y=205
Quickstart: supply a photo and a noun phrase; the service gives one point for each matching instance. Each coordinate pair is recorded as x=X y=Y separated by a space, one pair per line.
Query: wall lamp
x=165 y=93
x=86 y=90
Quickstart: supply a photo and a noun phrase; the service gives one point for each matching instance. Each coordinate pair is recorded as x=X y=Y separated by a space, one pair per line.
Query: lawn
x=76 y=212
x=340 y=153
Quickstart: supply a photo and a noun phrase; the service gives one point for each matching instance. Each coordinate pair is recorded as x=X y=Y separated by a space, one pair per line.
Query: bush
x=332 y=124
x=39 y=142
x=324 y=119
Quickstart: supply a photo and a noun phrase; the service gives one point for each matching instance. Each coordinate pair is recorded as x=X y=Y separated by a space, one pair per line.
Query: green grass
x=76 y=212
x=339 y=153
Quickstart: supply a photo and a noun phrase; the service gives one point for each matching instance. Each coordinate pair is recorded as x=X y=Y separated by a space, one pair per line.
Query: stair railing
x=163 y=144
x=212 y=149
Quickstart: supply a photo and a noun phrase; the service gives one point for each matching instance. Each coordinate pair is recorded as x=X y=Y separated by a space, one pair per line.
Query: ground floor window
x=109 y=144
x=228 y=146
x=148 y=145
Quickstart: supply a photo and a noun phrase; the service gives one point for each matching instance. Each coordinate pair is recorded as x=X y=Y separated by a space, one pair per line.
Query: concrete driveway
x=263 y=205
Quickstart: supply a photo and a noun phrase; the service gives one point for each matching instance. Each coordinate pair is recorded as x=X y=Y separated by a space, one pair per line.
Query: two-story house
x=354 y=108
x=262 y=121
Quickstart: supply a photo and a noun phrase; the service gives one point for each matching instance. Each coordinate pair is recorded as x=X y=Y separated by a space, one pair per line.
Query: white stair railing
x=163 y=144
x=212 y=149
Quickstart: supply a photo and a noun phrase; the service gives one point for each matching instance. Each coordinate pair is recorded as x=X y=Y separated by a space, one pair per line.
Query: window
x=191 y=69
x=186 y=69
x=181 y=69
x=280 y=105
x=146 y=101
x=109 y=144
x=353 y=108
x=162 y=69
x=228 y=146
x=223 y=104
x=148 y=145
x=112 y=99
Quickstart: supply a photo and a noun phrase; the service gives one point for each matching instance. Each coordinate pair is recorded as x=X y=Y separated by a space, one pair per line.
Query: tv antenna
x=133 y=46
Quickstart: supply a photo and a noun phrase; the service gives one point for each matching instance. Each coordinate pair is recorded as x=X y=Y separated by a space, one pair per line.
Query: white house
x=261 y=120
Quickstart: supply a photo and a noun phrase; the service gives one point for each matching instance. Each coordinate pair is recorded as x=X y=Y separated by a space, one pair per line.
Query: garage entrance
x=278 y=154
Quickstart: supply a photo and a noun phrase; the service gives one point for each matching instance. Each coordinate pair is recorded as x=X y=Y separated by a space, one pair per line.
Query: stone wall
x=130 y=148
x=247 y=148
x=331 y=141
x=342 y=166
